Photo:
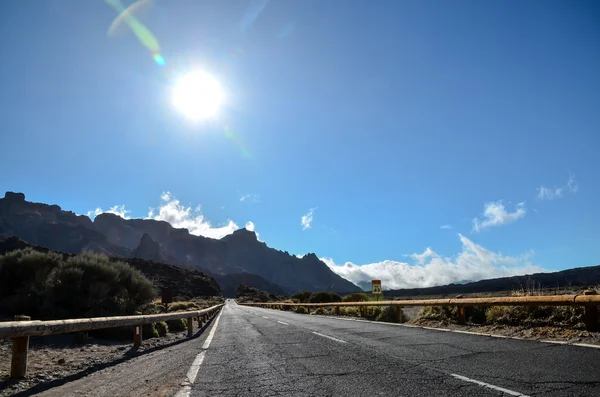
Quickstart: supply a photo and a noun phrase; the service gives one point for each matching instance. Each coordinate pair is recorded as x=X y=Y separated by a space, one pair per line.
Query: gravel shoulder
x=560 y=334
x=55 y=360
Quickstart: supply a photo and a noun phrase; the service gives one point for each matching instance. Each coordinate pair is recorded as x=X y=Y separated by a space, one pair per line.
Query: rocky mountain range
x=236 y=258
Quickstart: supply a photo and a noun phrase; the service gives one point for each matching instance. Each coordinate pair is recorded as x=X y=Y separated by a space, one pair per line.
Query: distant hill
x=184 y=283
x=572 y=278
x=229 y=284
x=246 y=293
x=237 y=254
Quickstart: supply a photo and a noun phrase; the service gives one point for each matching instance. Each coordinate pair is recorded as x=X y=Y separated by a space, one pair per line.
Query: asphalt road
x=250 y=351
x=271 y=353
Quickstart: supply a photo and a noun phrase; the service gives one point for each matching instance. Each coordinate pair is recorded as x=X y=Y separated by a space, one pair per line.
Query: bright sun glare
x=198 y=95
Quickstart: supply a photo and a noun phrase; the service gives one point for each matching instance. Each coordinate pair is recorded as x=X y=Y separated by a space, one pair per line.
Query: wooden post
x=399 y=314
x=590 y=314
x=461 y=312
x=137 y=333
x=337 y=310
x=20 y=347
x=190 y=326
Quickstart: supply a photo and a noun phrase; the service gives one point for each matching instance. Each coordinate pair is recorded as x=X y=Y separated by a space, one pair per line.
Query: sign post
x=376 y=288
x=166 y=297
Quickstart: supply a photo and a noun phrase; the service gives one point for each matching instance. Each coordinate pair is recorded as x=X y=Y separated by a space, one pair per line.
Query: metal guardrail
x=557 y=300
x=590 y=300
x=23 y=327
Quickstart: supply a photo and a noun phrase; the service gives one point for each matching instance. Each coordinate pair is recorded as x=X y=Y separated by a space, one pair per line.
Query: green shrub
x=350 y=311
x=387 y=314
x=535 y=315
x=320 y=311
x=23 y=281
x=45 y=285
x=183 y=306
x=300 y=310
x=476 y=314
x=325 y=297
x=371 y=312
x=444 y=314
x=177 y=325
x=149 y=331
x=153 y=308
x=161 y=328
x=302 y=297
x=356 y=297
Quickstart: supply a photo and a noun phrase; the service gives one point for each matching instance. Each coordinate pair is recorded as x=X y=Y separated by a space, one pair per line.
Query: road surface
x=250 y=351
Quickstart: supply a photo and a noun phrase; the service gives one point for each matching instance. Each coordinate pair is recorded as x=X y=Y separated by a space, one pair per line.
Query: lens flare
x=143 y=34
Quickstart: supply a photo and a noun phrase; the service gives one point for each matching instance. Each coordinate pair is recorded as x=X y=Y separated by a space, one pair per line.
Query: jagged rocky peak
x=310 y=257
x=12 y=196
x=148 y=248
x=241 y=235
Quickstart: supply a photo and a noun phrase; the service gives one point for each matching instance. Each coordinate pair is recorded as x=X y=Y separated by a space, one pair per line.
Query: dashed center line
x=281 y=322
x=329 y=337
x=489 y=386
x=265 y=317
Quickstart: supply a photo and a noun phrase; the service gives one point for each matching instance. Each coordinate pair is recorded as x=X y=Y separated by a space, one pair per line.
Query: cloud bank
x=473 y=263
x=117 y=210
x=179 y=216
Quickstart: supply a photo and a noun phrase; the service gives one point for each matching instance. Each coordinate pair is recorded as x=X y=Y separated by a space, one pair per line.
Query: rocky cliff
x=237 y=254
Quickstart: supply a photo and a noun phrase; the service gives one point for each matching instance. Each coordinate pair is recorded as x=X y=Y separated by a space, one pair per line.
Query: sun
x=198 y=95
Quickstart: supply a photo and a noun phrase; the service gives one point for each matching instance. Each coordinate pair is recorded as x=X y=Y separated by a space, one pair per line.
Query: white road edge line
x=489 y=386
x=586 y=345
x=212 y=332
x=329 y=337
x=265 y=317
x=186 y=387
x=281 y=322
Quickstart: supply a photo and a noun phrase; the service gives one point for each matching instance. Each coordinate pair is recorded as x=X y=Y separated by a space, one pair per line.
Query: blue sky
x=389 y=121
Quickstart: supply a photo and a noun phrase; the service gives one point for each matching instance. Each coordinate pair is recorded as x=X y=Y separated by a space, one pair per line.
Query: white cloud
x=572 y=185
x=307 y=219
x=446 y=227
x=180 y=216
x=421 y=258
x=495 y=214
x=545 y=193
x=250 y=198
x=473 y=263
x=117 y=210
x=250 y=226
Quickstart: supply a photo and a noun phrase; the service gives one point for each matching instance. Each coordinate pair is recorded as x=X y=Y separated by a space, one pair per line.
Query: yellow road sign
x=376 y=287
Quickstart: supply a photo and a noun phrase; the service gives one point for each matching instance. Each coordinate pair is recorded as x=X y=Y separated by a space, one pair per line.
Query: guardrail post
x=399 y=314
x=337 y=310
x=20 y=347
x=190 y=326
x=590 y=314
x=461 y=312
x=137 y=333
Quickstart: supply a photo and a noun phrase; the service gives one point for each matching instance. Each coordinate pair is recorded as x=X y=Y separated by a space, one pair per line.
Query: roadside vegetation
x=521 y=316
x=48 y=285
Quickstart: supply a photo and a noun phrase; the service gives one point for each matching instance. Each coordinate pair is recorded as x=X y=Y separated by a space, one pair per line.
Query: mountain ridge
x=239 y=253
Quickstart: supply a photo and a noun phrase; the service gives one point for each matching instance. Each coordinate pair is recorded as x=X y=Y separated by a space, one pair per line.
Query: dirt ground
x=58 y=357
